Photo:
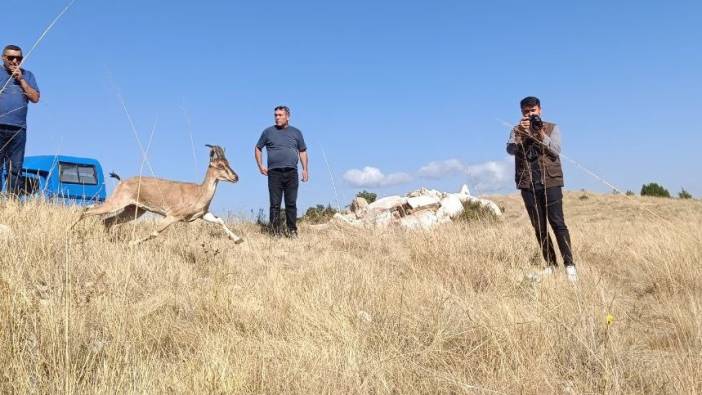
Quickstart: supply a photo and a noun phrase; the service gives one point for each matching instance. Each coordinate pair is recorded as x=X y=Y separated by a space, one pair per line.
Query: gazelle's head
x=220 y=164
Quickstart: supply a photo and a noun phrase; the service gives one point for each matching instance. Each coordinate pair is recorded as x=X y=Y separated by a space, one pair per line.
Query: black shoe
x=292 y=234
x=275 y=234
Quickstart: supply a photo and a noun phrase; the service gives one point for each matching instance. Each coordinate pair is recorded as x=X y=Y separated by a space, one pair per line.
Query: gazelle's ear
x=216 y=152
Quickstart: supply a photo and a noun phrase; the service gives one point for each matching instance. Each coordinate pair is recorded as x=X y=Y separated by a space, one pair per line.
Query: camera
x=536 y=122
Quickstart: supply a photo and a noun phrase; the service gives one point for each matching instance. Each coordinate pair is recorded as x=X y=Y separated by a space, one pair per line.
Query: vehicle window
x=87 y=175
x=77 y=174
x=69 y=173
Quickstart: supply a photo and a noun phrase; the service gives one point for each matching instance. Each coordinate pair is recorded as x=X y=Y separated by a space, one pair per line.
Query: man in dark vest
x=536 y=146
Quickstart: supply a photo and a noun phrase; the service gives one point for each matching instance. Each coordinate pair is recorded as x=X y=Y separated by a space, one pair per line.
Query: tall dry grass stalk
x=353 y=311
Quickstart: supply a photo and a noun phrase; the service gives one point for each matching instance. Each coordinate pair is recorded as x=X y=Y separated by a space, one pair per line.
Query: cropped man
x=18 y=87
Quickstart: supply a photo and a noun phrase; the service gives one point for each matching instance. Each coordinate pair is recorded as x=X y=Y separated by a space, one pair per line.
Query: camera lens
x=536 y=122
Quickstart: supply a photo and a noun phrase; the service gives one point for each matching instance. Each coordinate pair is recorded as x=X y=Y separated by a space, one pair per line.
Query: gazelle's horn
x=216 y=152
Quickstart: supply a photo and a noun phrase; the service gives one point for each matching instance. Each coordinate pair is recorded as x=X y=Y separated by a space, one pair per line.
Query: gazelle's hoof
x=238 y=241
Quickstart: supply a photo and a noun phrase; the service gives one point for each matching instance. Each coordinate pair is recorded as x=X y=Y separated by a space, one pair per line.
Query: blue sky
x=396 y=95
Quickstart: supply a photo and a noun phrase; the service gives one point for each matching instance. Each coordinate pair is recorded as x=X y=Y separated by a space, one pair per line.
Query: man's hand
x=521 y=132
x=31 y=93
x=263 y=170
x=304 y=159
x=525 y=124
x=16 y=72
x=524 y=130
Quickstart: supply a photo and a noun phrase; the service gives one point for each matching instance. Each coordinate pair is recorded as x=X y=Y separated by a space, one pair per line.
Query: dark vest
x=549 y=165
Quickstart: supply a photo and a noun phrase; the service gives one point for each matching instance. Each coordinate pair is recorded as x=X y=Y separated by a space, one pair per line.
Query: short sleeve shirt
x=13 y=101
x=283 y=146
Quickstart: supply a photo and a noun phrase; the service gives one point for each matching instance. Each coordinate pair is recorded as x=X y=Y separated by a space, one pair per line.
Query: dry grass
x=349 y=311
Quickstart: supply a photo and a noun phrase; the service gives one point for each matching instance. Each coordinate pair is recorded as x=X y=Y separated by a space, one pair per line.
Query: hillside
x=347 y=310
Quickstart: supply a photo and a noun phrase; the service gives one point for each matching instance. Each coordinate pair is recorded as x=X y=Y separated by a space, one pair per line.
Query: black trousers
x=12 y=143
x=545 y=206
x=283 y=183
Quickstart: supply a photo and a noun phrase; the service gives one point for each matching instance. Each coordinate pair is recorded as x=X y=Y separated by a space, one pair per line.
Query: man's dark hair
x=11 y=48
x=530 y=101
x=284 y=108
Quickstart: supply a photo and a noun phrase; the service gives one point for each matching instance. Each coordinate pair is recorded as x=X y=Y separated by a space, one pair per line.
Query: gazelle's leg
x=108 y=207
x=165 y=223
x=129 y=213
x=211 y=218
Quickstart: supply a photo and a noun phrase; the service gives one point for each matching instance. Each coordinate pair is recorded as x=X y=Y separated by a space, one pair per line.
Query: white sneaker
x=572 y=273
x=537 y=276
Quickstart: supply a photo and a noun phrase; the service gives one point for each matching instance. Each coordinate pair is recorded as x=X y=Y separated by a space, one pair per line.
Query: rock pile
x=420 y=209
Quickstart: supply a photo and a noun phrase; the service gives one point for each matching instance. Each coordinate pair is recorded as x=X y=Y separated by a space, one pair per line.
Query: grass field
x=354 y=311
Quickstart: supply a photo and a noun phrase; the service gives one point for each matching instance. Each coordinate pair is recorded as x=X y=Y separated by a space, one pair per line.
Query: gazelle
x=176 y=201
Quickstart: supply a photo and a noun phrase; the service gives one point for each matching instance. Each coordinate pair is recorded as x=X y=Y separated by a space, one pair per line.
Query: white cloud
x=486 y=177
x=440 y=169
x=371 y=177
x=492 y=169
x=492 y=176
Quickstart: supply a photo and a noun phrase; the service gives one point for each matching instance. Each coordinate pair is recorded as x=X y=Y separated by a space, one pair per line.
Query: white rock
x=425 y=220
x=463 y=194
x=349 y=219
x=358 y=203
x=387 y=203
x=420 y=209
x=492 y=206
x=361 y=212
x=451 y=206
x=383 y=219
x=444 y=219
x=427 y=192
x=410 y=222
x=428 y=219
x=424 y=201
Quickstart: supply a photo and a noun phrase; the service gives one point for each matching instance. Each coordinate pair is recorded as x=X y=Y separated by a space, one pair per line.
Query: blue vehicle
x=64 y=179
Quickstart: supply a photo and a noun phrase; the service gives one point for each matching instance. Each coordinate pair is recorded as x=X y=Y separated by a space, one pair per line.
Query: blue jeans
x=12 y=142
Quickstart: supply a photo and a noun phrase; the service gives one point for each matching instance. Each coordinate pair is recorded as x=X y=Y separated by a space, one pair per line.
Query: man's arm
x=259 y=155
x=553 y=142
x=259 y=161
x=513 y=142
x=304 y=160
x=302 y=152
x=29 y=91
